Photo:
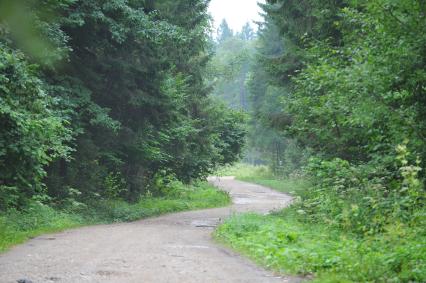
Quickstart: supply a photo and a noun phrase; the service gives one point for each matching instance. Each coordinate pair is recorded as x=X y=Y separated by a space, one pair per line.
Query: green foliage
x=344 y=224
x=178 y=197
x=364 y=198
x=115 y=185
x=305 y=240
x=34 y=27
x=287 y=245
x=118 y=96
x=344 y=80
x=341 y=78
x=337 y=88
x=33 y=133
x=352 y=100
x=36 y=219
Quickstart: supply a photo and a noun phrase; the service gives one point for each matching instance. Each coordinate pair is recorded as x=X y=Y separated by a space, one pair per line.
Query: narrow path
x=172 y=248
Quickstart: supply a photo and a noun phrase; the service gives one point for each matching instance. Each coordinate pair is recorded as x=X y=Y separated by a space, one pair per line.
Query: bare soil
x=172 y=248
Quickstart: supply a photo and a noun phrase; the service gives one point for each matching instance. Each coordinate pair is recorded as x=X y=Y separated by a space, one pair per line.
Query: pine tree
x=224 y=31
x=247 y=32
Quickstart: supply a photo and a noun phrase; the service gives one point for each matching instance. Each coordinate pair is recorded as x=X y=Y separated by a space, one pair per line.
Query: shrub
x=363 y=198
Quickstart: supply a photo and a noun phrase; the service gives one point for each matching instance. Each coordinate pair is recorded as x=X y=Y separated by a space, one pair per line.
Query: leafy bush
x=115 y=185
x=364 y=198
x=32 y=133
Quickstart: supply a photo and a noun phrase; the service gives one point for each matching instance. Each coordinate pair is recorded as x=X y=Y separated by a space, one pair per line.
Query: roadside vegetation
x=331 y=240
x=286 y=243
x=336 y=99
x=17 y=226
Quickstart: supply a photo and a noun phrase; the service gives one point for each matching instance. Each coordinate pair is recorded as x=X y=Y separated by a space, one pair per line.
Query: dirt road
x=172 y=248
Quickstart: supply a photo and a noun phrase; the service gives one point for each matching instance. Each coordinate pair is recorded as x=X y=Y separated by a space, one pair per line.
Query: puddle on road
x=238 y=200
x=206 y=223
x=187 y=247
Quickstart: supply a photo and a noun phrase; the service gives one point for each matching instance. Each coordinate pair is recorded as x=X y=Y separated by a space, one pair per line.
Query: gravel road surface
x=172 y=248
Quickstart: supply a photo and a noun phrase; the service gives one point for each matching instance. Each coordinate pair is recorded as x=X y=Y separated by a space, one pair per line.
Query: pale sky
x=236 y=12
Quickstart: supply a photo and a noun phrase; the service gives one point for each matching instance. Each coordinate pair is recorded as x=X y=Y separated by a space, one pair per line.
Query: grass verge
x=261 y=175
x=290 y=186
x=286 y=243
x=18 y=226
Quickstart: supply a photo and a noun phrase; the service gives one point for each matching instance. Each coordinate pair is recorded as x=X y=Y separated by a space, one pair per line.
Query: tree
x=224 y=31
x=122 y=94
x=344 y=80
x=247 y=32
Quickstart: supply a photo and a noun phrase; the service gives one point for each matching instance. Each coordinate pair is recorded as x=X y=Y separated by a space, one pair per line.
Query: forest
x=335 y=92
x=105 y=102
x=117 y=110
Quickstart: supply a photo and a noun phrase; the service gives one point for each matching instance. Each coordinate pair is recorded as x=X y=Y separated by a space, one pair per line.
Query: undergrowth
x=38 y=218
x=339 y=228
x=285 y=244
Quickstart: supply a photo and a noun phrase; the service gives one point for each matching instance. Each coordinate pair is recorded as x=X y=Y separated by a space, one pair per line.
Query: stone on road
x=172 y=248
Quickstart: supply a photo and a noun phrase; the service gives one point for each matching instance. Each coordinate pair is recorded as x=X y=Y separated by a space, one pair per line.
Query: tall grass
x=18 y=226
x=287 y=245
